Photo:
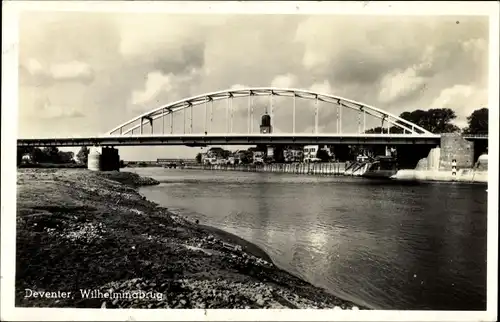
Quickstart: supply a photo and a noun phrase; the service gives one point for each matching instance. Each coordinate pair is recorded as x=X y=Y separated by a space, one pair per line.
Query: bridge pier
x=411 y=156
x=103 y=159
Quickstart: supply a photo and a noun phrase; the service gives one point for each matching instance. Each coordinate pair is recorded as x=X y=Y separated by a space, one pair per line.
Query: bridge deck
x=233 y=139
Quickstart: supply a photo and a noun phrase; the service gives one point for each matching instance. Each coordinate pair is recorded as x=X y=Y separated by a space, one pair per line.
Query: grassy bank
x=81 y=230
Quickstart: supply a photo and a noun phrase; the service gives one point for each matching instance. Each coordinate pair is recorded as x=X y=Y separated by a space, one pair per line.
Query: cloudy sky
x=84 y=73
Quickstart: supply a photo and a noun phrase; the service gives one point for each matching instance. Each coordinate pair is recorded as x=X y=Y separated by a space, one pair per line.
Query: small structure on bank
x=26 y=159
x=482 y=162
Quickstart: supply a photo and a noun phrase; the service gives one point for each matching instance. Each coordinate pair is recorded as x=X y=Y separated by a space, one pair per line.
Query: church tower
x=265 y=125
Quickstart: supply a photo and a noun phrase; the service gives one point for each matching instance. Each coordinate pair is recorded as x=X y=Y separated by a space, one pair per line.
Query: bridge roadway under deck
x=233 y=139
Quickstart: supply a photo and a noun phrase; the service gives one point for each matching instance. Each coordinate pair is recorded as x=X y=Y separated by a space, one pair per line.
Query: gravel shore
x=93 y=236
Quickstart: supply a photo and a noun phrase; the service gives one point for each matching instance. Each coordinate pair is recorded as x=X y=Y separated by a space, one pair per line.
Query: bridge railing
x=475 y=136
x=165 y=161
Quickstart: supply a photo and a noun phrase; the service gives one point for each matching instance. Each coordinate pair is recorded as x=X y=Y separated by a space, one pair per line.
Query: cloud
x=156 y=82
x=146 y=34
x=358 y=51
x=238 y=86
x=463 y=99
x=400 y=84
x=284 y=81
x=34 y=73
x=72 y=71
x=361 y=52
x=49 y=111
x=172 y=45
x=64 y=113
x=476 y=47
x=322 y=87
x=160 y=89
x=34 y=67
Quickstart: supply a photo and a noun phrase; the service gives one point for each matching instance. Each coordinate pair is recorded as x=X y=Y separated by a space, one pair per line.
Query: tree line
x=51 y=155
x=439 y=121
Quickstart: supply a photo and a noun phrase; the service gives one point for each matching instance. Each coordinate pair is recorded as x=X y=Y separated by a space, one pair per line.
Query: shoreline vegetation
x=90 y=240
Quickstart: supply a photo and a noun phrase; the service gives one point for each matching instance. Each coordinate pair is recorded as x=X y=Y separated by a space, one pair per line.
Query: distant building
x=258 y=157
x=210 y=157
x=26 y=158
x=270 y=152
x=293 y=154
x=311 y=152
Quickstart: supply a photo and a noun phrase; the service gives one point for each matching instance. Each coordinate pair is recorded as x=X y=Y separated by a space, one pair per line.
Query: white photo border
x=11 y=10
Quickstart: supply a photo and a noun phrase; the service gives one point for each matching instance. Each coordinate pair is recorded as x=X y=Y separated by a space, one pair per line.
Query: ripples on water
x=383 y=244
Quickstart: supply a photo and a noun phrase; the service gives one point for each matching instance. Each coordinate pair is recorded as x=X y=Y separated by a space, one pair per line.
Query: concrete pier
x=103 y=159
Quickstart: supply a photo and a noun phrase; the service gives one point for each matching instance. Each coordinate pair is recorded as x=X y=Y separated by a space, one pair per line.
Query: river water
x=382 y=244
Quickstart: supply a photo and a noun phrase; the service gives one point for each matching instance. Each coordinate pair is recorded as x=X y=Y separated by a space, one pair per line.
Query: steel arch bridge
x=132 y=132
x=206 y=100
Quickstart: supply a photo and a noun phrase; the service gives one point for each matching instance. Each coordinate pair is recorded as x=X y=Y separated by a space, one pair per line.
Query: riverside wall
x=332 y=168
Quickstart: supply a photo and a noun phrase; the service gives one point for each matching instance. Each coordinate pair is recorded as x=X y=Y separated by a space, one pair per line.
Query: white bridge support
x=294 y=100
x=168 y=110
x=248 y=113
x=271 y=101
x=232 y=114
x=211 y=112
x=251 y=96
x=316 y=115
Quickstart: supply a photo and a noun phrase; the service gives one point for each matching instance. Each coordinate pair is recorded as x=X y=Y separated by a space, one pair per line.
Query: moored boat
x=382 y=167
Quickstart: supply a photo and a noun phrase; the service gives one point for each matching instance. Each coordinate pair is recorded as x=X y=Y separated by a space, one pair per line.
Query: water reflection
x=391 y=246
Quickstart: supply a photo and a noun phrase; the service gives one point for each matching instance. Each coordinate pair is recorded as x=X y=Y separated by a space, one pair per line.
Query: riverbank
x=83 y=230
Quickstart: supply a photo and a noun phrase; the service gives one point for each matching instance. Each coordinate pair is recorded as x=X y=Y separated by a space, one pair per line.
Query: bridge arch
x=169 y=109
